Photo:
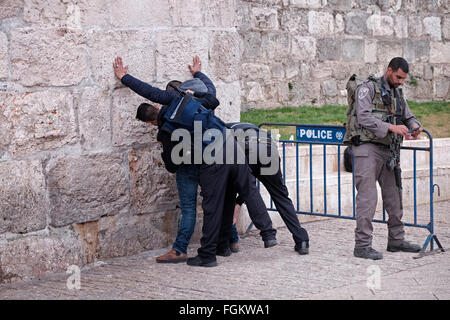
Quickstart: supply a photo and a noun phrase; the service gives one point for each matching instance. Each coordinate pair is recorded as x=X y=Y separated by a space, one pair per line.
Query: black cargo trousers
x=220 y=184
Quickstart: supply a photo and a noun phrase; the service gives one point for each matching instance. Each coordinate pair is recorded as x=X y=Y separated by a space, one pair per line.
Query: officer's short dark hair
x=147 y=112
x=397 y=63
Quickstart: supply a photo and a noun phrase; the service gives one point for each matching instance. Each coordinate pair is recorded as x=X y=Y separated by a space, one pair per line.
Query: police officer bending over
x=378 y=120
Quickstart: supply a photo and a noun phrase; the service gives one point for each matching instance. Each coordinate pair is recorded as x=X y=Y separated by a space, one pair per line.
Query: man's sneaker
x=367 y=253
x=302 y=248
x=223 y=252
x=234 y=247
x=404 y=246
x=270 y=243
x=173 y=256
x=198 y=262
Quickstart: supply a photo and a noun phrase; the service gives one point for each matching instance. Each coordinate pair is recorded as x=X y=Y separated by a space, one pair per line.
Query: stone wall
x=82 y=180
x=301 y=52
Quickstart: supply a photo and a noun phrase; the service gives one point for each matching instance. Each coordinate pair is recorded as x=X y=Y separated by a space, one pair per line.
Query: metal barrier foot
x=424 y=253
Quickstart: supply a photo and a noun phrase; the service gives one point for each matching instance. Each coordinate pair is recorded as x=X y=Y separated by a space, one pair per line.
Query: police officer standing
x=381 y=118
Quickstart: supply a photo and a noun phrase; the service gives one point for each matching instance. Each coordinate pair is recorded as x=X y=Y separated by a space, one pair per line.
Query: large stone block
x=303 y=48
x=134 y=46
x=432 y=27
x=343 y=5
x=152 y=187
x=86 y=188
x=441 y=89
x=4 y=73
x=22 y=197
x=416 y=51
x=186 y=12
x=10 y=8
x=265 y=18
x=439 y=52
x=320 y=23
x=294 y=20
x=415 y=26
x=253 y=71
x=175 y=50
x=127 y=130
x=72 y=14
x=48 y=57
x=446 y=28
x=140 y=13
x=329 y=49
x=225 y=56
x=355 y=23
x=401 y=26
x=370 y=51
x=329 y=88
x=309 y=4
x=94 y=116
x=221 y=13
x=380 y=25
x=125 y=235
x=229 y=95
x=386 y=50
x=353 y=50
x=276 y=45
x=252 y=45
x=36 y=256
x=37 y=121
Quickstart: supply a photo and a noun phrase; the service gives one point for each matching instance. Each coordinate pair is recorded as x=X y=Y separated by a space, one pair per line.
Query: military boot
x=404 y=246
x=367 y=253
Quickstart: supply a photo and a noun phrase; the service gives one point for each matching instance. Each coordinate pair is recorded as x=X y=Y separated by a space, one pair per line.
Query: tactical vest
x=380 y=110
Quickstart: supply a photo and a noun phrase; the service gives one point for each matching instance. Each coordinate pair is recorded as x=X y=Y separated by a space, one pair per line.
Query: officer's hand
x=414 y=133
x=399 y=129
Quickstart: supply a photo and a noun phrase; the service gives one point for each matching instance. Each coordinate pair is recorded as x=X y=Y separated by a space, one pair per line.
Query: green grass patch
x=434 y=116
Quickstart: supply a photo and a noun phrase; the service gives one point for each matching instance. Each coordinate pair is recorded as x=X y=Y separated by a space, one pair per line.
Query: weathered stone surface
x=415 y=26
x=391 y=6
x=441 y=89
x=72 y=14
x=320 y=23
x=251 y=43
x=86 y=188
x=416 y=50
x=255 y=71
x=36 y=256
x=37 y=121
x=220 y=13
x=94 y=116
x=229 y=95
x=329 y=49
x=186 y=12
x=303 y=48
x=386 y=50
x=343 y=5
x=294 y=20
x=10 y=8
x=175 y=50
x=134 y=46
x=254 y=92
x=370 y=51
x=125 y=235
x=225 y=56
x=127 y=130
x=276 y=45
x=265 y=19
x=153 y=188
x=401 y=26
x=432 y=27
x=48 y=57
x=355 y=23
x=4 y=73
x=380 y=25
x=353 y=50
x=140 y=13
x=439 y=52
x=329 y=88
x=309 y=4
x=22 y=197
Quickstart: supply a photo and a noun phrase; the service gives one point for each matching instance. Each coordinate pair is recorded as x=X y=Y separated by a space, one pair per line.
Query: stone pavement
x=329 y=272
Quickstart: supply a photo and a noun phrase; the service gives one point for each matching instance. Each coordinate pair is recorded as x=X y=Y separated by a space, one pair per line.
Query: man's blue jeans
x=187 y=184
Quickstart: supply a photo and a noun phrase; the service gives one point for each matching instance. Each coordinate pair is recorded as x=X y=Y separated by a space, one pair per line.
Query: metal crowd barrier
x=333 y=135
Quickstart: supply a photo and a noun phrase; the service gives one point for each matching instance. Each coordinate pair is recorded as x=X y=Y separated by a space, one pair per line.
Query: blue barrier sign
x=320 y=134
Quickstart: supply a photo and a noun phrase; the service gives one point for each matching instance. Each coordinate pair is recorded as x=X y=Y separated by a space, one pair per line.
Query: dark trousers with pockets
x=219 y=185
